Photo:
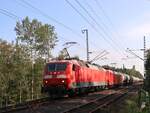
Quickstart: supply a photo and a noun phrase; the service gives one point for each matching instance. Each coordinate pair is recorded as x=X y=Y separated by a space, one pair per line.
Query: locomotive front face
x=55 y=75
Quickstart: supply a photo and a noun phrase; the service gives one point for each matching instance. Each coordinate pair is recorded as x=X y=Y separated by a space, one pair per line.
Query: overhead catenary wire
x=84 y=18
x=130 y=51
x=53 y=19
x=17 y=18
x=103 y=24
x=103 y=56
x=9 y=14
x=108 y=19
x=101 y=8
x=91 y=24
x=49 y=17
x=29 y=4
x=99 y=55
x=96 y=15
x=101 y=27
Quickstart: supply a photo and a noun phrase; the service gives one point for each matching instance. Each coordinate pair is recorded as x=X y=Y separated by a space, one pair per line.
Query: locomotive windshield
x=57 y=67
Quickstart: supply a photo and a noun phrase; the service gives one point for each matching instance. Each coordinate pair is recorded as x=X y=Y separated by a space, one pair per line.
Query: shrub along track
x=78 y=104
x=22 y=106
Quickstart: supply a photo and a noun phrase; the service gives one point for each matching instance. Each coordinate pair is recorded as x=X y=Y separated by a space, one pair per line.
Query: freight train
x=75 y=77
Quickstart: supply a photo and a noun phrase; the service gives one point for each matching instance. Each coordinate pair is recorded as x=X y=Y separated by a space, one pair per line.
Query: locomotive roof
x=79 y=63
x=63 y=61
x=88 y=65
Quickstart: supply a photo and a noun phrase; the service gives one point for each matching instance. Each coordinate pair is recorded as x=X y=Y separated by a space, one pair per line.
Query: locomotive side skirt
x=87 y=84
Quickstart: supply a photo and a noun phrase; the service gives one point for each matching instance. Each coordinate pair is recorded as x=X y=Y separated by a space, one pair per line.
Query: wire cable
x=116 y=44
x=108 y=19
x=54 y=20
x=91 y=24
x=9 y=14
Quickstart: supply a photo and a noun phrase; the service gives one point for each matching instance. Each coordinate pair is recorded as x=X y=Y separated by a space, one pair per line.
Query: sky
x=113 y=26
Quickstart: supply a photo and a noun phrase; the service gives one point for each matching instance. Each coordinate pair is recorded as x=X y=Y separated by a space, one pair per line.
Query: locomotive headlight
x=46 y=81
x=63 y=81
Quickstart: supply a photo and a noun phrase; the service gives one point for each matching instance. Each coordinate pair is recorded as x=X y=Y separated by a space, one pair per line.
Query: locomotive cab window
x=57 y=67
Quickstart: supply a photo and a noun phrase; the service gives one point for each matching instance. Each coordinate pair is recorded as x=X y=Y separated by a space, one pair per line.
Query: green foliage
x=16 y=74
x=13 y=68
x=147 y=67
x=39 y=38
x=21 y=64
x=131 y=106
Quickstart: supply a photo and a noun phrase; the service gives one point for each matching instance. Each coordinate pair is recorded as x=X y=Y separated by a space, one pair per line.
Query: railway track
x=81 y=104
x=95 y=105
x=31 y=106
x=101 y=103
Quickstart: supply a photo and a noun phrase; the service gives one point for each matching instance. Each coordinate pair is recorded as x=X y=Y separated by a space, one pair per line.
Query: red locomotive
x=75 y=77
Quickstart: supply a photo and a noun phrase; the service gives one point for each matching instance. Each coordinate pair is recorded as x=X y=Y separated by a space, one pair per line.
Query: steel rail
x=96 y=104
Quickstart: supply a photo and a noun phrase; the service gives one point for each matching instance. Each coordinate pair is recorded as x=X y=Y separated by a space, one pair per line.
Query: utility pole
x=144 y=55
x=87 y=43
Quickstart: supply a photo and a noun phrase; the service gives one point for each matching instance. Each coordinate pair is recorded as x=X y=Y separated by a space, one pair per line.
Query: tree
x=147 y=67
x=23 y=62
x=45 y=40
x=14 y=63
x=39 y=38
